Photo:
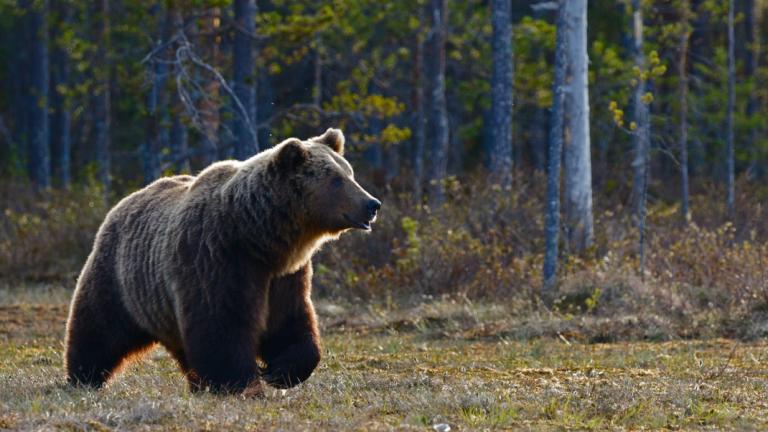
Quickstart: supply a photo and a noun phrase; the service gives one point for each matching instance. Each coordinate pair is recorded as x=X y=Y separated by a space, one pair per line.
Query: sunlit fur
x=216 y=268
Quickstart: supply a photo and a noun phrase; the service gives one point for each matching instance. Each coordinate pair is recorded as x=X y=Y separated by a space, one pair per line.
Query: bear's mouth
x=355 y=224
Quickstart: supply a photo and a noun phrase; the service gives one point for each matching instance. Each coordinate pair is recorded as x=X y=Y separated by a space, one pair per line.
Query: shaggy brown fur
x=217 y=269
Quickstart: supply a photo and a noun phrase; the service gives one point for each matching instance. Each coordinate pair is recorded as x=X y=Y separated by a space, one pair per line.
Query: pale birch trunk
x=577 y=157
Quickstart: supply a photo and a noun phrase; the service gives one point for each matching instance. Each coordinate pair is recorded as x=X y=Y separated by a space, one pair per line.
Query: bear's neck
x=269 y=225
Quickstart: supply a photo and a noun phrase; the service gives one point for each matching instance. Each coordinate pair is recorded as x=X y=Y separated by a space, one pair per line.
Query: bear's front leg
x=219 y=336
x=221 y=359
x=291 y=347
x=294 y=363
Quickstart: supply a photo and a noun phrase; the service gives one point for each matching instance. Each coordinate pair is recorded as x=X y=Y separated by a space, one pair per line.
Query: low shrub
x=46 y=235
x=707 y=277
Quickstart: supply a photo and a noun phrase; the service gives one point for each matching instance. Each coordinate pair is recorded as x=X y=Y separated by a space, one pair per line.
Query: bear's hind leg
x=181 y=359
x=100 y=335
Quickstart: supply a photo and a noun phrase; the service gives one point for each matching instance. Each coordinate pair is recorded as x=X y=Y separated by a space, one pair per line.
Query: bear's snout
x=363 y=216
x=373 y=207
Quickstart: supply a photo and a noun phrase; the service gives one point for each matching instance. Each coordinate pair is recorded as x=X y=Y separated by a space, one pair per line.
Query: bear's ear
x=333 y=138
x=291 y=154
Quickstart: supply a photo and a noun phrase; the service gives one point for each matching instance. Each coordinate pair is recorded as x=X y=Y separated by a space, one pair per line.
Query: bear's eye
x=336 y=182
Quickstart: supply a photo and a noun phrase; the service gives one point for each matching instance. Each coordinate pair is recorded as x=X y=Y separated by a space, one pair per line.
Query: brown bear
x=217 y=269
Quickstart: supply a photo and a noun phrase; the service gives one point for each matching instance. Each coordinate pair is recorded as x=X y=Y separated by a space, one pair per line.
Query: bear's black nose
x=373 y=206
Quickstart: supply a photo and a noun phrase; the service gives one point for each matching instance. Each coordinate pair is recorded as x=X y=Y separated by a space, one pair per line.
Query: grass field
x=399 y=369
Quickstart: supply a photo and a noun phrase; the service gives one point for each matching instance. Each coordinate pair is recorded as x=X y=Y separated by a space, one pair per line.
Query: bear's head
x=324 y=180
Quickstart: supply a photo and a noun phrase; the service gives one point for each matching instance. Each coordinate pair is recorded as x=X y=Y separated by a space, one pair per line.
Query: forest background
x=602 y=159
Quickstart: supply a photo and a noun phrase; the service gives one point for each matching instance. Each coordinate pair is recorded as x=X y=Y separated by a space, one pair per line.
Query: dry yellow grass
x=393 y=369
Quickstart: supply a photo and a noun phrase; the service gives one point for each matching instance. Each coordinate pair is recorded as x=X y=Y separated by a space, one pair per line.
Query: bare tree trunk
x=156 y=102
x=317 y=91
x=209 y=107
x=228 y=112
x=552 y=223
x=150 y=148
x=101 y=96
x=163 y=95
x=179 y=145
x=419 y=118
x=244 y=83
x=642 y=134
x=39 y=157
x=19 y=60
x=754 y=15
x=578 y=164
x=682 y=76
x=266 y=108
x=179 y=136
x=60 y=118
x=729 y=113
x=439 y=141
x=501 y=92
x=698 y=47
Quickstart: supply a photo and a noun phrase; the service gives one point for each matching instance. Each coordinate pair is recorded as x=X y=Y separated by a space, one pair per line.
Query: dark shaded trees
x=60 y=106
x=753 y=17
x=179 y=138
x=157 y=98
x=179 y=135
x=38 y=150
x=208 y=103
x=730 y=158
x=244 y=80
x=389 y=73
x=18 y=60
x=419 y=120
x=102 y=103
x=682 y=77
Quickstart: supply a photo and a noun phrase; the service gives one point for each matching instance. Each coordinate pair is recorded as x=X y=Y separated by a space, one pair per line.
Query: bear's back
x=153 y=200
x=215 y=176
